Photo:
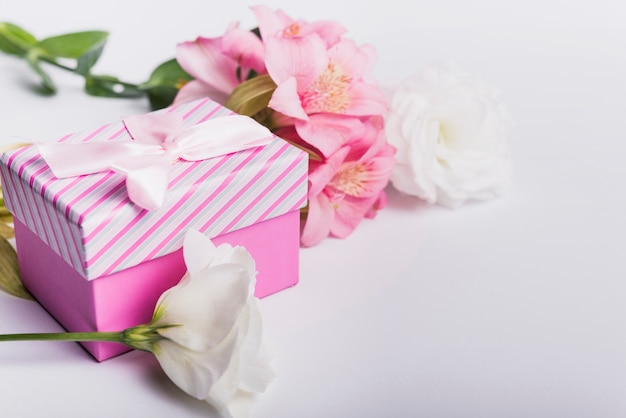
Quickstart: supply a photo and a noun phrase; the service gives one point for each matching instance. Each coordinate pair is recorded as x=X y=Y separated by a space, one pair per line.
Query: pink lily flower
x=279 y=24
x=347 y=187
x=218 y=65
x=324 y=90
x=312 y=79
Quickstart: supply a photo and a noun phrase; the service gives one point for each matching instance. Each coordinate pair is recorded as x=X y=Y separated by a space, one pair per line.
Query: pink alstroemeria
x=347 y=187
x=218 y=65
x=324 y=90
x=276 y=23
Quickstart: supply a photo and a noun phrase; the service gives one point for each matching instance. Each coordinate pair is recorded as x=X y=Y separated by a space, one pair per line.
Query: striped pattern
x=91 y=223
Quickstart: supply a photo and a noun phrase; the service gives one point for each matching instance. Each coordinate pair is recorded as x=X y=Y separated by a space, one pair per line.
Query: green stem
x=73 y=70
x=57 y=64
x=66 y=336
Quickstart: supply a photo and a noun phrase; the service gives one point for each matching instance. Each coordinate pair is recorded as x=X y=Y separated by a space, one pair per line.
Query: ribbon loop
x=159 y=140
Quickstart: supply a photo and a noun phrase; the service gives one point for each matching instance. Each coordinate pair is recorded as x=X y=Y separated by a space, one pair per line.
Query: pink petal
x=286 y=100
x=322 y=173
x=330 y=31
x=366 y=99
x=270 y=23
x=203 y=59
x=371 y=59
x=289 y=133
x=195 y=89
x=274 y=23
x=245 y=48
x=351 y=58
x=369 y=143
x=379 y=204
x=303 y=58
x=328 y=132
x=349 y=212
x=318 y=221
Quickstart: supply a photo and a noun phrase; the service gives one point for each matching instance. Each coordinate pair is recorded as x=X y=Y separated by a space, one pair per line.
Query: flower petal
x=212 y=300
x=255 y=376
x=303 y=58
x=351 y=58
x=204 y=60
x=249 y=372
x=329 y=30
x=245 y=47
x=366 y=99
x=196 y=372
x=240 y=406
x=279 y=24
x=194 y=90
x=349 y=212
x=321 y=174
x=318 y=222
x=270 y=23
x=328 y=132
x=198 y=251
x=286 y=100
x=379 y=204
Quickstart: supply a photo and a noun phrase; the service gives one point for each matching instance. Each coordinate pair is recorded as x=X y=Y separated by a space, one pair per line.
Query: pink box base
x=127 y=298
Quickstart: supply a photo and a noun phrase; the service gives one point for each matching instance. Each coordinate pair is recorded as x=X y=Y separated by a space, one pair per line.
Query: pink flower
x=279 y=24
x=312 y=79
x=324 y=90
x=348 y=186
x=218 y=65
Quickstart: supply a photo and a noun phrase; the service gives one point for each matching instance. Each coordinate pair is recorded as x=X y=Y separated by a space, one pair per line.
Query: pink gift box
x=98 y=262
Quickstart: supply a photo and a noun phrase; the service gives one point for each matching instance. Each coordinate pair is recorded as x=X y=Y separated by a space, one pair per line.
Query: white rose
x=207 y=332
x=452 y=135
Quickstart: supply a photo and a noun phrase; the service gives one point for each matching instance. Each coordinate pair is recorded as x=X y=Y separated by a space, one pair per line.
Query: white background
x=509 y=308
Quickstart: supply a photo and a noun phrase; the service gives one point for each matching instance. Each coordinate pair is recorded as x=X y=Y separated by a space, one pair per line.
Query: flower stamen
x=329 y=92
x=291 y=31
x=351 y=181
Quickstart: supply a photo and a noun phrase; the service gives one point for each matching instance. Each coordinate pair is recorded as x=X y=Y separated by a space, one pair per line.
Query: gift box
x=98 y=261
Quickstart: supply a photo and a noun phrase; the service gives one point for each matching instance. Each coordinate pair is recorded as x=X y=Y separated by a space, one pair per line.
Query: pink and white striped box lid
x=91 y=223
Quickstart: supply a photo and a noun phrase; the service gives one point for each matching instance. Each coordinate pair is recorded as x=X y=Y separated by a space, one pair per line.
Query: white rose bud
x=452 y=135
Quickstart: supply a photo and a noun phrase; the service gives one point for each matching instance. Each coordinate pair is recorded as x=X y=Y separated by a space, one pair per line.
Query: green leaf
x=86 y=61
x=251 y=96
x=164 y=83
x=10 y=281
x=15 y=40
x=47 y=85
x=73 y=45
x=109 y=86
x=169 y=73
x=161 y=97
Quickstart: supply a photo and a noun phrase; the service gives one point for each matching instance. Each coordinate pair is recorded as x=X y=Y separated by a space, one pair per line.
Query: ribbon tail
x=79 y=158
x=221 y=136
x=147 y=178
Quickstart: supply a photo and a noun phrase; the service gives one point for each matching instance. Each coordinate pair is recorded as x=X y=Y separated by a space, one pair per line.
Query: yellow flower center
x=329 y=92
x=351 y=181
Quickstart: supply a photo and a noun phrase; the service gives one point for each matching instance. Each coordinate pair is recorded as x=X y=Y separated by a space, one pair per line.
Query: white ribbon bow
x=160 y=140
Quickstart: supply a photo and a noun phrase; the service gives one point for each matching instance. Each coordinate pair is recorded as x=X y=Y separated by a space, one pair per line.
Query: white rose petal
x=452 y=135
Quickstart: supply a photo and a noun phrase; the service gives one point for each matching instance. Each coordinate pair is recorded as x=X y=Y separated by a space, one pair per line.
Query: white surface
x=511 y=308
